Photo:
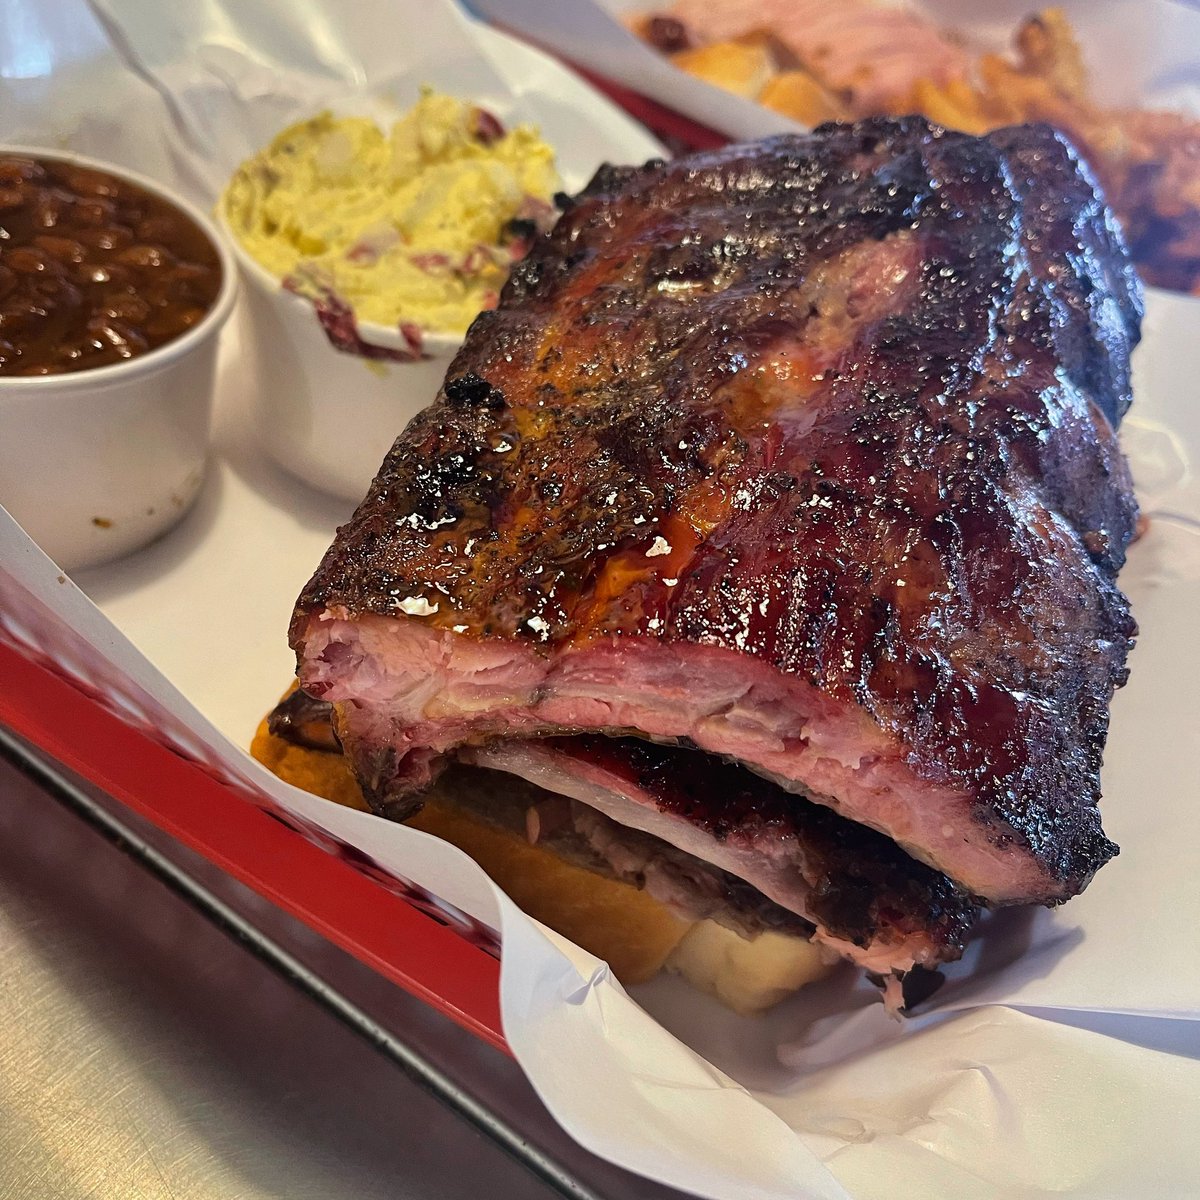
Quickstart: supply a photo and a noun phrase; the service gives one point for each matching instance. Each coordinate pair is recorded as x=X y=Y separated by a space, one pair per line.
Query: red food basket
x=414 y=949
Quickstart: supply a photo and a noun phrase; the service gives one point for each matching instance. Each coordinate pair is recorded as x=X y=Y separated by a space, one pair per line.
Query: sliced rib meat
x=704 y=837
x=864 y=896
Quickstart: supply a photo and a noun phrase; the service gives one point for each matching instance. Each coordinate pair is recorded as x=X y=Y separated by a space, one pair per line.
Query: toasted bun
x=635 y=934
x=747 y=974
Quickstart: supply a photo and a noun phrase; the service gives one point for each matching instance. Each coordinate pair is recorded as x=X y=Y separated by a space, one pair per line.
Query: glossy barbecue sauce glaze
x=715 y=366
x=93 y=269
x=844 y=405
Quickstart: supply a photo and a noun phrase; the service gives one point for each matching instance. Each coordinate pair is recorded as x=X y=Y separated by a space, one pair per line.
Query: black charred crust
x=919 y=985
x=608 y=178
x=403 y=809
x=470 y=391
x=303 y=720
x=960 y=488
x=519 y=229
x=375 y=769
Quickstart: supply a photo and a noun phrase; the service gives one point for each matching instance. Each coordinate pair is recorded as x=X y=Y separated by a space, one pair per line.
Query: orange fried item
x=954 y=105
x=741 y=67
x=1047 y=46
x=798 y=95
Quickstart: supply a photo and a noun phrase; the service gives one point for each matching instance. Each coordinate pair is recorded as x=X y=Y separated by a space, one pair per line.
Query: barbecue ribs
x=799 y=455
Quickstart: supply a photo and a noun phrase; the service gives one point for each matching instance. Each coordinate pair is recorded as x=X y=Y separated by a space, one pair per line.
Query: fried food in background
x=743 y=67
x=798 y=95
x=859 y=47
x=1147 y=162
x=632 y=931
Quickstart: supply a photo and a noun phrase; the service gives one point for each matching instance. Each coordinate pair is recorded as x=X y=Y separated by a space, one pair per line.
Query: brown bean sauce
x=93 y=269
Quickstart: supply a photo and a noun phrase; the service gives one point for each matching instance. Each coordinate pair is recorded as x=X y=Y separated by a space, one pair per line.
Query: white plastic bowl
x=326 y=415
x=98 y=462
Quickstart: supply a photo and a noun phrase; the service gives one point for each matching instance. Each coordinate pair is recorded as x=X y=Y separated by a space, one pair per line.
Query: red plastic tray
x=381 y=929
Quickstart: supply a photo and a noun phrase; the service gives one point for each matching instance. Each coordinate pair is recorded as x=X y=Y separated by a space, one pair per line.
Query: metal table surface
x=164 y=1032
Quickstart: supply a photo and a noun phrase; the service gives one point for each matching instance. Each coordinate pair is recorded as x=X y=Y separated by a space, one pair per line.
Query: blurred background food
x=417 y=224
x=813 y=61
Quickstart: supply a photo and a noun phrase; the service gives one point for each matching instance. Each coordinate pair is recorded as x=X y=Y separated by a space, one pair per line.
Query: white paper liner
x=1071 y=1068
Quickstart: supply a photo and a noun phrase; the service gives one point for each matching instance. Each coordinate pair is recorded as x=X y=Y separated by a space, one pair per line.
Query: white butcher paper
x=1062 y=1058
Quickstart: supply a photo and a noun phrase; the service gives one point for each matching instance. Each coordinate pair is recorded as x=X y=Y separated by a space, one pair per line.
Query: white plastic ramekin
x=326 y=415
x=98 y=462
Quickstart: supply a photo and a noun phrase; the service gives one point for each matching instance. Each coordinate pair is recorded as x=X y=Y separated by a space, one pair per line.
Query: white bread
x=747 y=974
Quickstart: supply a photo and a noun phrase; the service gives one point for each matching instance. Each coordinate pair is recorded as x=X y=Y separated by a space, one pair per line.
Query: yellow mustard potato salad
x=412 y=224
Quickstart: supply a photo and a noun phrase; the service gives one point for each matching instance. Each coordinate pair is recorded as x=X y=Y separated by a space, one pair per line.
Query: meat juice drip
x=93 y=269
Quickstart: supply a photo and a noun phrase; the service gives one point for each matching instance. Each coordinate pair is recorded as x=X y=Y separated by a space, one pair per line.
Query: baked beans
x=93 y=269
